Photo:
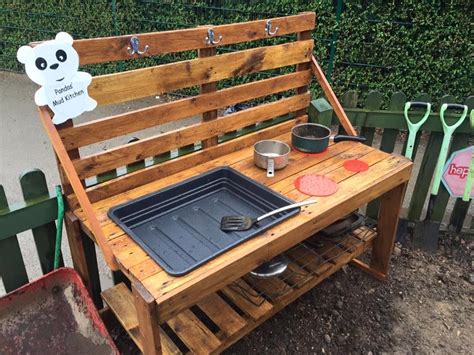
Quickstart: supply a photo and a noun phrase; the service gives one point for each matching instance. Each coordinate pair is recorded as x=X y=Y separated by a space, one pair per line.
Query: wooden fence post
x=319 y=111
x=33 y=185
x=372 y=102
x=12 y=266
x=389 y=138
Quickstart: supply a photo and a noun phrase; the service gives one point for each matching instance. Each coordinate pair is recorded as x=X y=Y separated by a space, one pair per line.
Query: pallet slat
x=295 y=275
x=222 y=314
x=256 y=307
x=274 y=287
x=108 y=49
x=308 y=261
x=194 y=333
x=140 y=83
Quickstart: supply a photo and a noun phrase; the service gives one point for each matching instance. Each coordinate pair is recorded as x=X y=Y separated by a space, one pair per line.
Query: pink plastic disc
x=356 y=165
x=316 y=185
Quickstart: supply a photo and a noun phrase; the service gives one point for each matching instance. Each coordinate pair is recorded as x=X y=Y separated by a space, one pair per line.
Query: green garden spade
x=427 y=232
x=413 y=128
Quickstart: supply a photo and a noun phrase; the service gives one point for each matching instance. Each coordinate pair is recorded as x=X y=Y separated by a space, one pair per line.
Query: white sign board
x=54 y=65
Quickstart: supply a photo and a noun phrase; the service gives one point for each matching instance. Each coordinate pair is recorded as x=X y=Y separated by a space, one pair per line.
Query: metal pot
x=272 y=268
x=314 y=138
x=271 y=155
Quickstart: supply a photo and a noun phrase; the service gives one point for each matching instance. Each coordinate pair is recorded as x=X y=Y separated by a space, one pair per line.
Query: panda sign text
x=54 y=65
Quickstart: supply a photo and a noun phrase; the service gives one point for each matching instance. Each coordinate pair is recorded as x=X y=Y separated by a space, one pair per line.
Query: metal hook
x=268 y=28
x=135 y=43
x=210 y=37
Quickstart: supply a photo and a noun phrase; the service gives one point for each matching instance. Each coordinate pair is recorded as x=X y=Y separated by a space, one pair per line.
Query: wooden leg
x=147 y=320
x=84 y=257
x=364 y=267
x=390 y=205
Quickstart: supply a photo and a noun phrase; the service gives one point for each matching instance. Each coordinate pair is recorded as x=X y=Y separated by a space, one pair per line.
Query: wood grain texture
x=194 y=333
x=108 y=49
x=73 y=154
x=207 y=88
x=256 y=307
x=303 y=36
x=222 y=314
x=129 y=122
x=139 y=83
x=390 y=205
x=148 y=325
x=139 y=150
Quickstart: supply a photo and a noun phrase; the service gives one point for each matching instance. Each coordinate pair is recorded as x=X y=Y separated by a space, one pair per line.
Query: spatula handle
x=284 y=208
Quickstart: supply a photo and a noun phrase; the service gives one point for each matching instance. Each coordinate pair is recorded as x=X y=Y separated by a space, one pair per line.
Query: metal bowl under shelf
x=272 y=268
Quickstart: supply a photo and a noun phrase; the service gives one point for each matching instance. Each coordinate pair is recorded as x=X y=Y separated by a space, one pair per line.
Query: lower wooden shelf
x=222 y=318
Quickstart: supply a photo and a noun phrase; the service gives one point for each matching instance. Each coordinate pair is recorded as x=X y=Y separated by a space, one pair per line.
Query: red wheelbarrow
x=52 y=315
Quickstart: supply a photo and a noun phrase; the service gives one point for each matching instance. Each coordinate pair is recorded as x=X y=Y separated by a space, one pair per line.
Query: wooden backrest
x=204 y=72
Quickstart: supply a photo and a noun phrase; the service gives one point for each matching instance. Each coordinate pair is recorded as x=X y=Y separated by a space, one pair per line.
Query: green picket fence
x=37 y=213
x=390 y=123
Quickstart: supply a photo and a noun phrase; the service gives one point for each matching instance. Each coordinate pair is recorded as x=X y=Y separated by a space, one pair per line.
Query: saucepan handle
x=270 y=168
x=342 y=137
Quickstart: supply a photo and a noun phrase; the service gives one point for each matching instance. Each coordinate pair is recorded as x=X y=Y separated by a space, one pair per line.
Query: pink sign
x=456 y=170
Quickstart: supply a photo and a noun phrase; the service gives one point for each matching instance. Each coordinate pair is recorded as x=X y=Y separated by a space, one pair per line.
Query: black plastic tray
x=179 y=226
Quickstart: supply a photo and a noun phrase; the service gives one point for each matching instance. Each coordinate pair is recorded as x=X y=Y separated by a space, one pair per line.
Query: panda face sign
x=54 y=65
x=52 y=62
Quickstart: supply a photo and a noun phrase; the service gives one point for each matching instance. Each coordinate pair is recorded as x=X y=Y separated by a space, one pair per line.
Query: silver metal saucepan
x=271 y=155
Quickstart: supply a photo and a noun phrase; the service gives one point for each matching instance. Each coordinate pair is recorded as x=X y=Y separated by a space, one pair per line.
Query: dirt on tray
x=426 y=306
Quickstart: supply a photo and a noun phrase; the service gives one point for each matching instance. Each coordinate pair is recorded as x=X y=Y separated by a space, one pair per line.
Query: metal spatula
x=243 y=223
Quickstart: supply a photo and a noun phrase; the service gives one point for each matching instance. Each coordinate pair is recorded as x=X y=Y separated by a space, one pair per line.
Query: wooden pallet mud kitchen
x=212 y=306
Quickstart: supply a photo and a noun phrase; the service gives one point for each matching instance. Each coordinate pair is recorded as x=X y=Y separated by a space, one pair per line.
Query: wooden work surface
x=174 y=294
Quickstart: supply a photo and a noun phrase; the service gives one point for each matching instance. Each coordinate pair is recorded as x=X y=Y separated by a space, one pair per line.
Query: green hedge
x=413 y=46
